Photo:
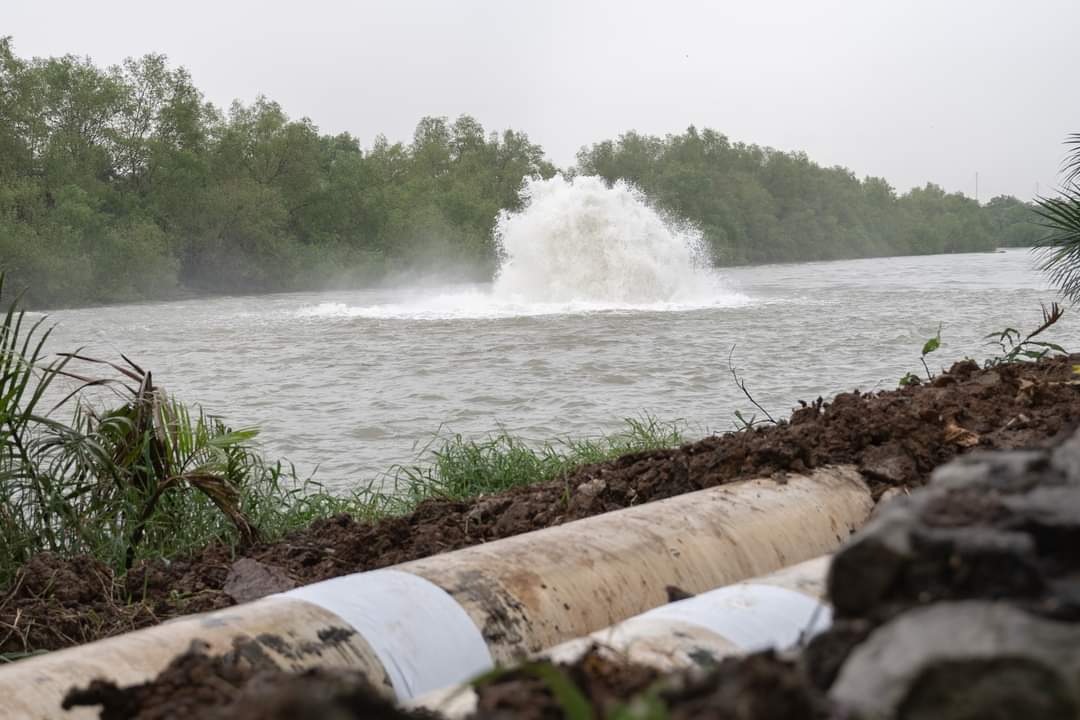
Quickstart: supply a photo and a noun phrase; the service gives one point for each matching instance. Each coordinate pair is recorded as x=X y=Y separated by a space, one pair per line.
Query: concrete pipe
x=776 y=610
x=431 y=623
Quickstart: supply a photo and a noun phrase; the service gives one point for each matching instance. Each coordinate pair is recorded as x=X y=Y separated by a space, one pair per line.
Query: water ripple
x=354 y=394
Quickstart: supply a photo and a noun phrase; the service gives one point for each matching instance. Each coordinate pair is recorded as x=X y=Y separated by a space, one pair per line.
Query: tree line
x=123 y=183
x=755 y=204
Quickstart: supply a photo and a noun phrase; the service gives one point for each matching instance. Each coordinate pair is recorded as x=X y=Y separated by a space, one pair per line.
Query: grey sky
x=912 y=91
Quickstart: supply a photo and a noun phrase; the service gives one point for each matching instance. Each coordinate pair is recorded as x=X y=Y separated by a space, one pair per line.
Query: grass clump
x=457 y=467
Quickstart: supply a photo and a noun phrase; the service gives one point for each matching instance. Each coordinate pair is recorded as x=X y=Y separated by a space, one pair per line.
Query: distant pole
x=976 y=186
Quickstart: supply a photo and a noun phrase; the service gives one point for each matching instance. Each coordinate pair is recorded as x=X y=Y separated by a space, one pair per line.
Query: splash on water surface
x=576 y=246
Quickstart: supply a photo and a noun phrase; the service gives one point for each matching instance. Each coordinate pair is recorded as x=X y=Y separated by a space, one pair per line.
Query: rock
x=872 y=563
x=961 y=661
x=889 y=464
x=1007 y=472
x=250 y=580
x=967 y=592
x=1065 y=459
x=586 y=493
x=486 y=509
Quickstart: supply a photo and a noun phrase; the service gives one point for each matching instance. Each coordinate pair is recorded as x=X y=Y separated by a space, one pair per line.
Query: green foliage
x=1071 y=166
x=1016 y=347
x=931 y=345
x=1060 y=218
x=149 y=478
x=910 y=378
x=147 y=475
x=457 y=467
x=757 y=204
x=1014 y=223
x=1061 y=246
x=123 y=183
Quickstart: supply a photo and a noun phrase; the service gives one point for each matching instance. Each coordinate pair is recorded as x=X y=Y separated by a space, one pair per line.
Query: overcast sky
x=908 y=90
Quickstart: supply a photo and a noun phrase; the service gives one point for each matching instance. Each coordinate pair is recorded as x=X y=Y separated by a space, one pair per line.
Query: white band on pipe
x=422 y=636
x=751 y=616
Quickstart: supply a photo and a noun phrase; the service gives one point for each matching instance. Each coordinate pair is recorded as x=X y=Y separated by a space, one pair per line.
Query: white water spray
x=582 y=241
x=576 y=246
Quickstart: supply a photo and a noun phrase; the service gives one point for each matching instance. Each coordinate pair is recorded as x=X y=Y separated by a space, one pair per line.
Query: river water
x=353 y=382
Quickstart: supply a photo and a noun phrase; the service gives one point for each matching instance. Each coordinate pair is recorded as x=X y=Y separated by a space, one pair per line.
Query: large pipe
x=776 y=610
x=431 y=623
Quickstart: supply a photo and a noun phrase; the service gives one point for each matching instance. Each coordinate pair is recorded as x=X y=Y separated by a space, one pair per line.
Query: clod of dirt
x=234 y=686
x=250 y=580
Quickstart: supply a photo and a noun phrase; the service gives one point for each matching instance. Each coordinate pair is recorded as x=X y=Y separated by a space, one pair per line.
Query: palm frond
x=1070 y=168
x=124 y=481
x=1060 y=248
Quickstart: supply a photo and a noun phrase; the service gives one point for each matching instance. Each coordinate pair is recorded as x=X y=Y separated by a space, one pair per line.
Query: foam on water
x=582 y=240
x=577 y=246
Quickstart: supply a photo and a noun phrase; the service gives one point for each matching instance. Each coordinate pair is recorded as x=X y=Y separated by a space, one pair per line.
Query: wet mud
x=239 y=685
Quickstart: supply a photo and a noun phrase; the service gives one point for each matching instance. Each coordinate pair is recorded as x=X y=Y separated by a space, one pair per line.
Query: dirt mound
x=896 y=438
x=55 y=603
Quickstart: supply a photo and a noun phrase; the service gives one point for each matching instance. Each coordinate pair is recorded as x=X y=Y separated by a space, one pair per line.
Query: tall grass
x=458 y=467
x=154 y=477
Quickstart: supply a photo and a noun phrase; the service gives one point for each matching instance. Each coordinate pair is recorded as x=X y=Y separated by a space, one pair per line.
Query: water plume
x=575 y=246
x=581 y=240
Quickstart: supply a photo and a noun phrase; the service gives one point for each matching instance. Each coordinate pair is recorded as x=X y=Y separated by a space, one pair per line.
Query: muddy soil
x=230 y=687
x=763 y=686
x=896 y=438
x=237 y=686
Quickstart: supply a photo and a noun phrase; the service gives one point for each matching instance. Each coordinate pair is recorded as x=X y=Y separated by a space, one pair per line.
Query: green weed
x=1016 y=347
x=931 y=345
x=457 y=467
